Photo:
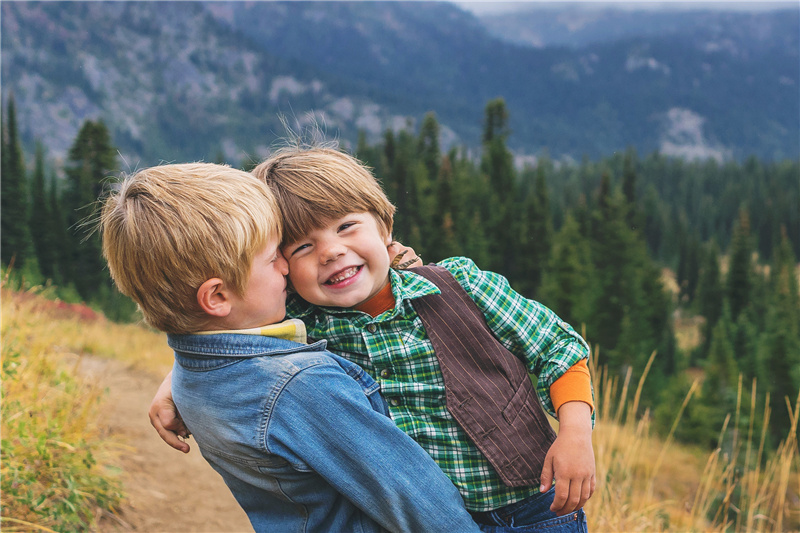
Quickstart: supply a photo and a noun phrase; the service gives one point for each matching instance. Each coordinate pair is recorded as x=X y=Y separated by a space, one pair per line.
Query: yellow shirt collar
x=292 y=329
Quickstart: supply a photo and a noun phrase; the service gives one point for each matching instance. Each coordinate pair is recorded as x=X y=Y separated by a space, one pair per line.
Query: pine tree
x=611 y=248
x=388 y=176
x=566 y=282
x=14 y=193
x=688 y=266
x=721 y=375
x=92 y=158
x=739 y=283
x=629 y=189
x=780 y=349
x=500 y=211
x=745 y=341
x=411 y=192
x=535 y=235
x=710 y=293
x=40 y=219
x=59 y=234
x=428 y=147
x=497 y=161
x=443 y=238
x=655 y=222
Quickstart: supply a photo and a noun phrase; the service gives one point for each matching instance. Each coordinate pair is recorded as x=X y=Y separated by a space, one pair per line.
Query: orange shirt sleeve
x=574 y=385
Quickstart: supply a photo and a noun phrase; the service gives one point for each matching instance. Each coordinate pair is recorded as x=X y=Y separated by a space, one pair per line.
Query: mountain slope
x=171 y=82
x=189 y=80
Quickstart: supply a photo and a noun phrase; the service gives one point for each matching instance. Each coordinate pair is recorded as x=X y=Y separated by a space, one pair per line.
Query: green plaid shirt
x=395 y=350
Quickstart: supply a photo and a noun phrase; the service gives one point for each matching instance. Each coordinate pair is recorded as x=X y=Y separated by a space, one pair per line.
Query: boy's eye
x=346 y=225
x=298 y=248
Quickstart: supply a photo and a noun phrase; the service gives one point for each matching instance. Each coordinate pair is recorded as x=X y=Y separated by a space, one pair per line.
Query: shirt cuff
x=574 y=386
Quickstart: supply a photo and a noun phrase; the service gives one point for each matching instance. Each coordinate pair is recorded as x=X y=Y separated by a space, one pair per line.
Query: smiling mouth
x=344 y=275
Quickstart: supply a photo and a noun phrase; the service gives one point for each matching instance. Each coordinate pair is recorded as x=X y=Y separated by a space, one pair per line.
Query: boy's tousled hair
x=317 y=185
x=167 y=229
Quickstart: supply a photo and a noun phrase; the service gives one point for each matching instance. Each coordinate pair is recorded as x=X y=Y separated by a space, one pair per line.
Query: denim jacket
x=302 y=439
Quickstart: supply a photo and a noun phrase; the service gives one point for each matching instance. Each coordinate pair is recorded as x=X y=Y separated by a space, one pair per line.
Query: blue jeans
x=532 y=515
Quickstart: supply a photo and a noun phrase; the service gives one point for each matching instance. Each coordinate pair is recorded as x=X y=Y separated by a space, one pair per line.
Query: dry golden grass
x=645 y=483
x=57 y=465
x=76 y=329
x=650 y=484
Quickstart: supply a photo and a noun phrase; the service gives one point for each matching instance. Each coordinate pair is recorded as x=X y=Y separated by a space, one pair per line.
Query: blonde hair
x=167 y=229
x=317 y=185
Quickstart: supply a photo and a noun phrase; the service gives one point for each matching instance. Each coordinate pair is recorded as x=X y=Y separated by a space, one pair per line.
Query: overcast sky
x=481 y=6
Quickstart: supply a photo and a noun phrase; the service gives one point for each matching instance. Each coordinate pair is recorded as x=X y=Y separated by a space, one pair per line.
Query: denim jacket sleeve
x=328 y=425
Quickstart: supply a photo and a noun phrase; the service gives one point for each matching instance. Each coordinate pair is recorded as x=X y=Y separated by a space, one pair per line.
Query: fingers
x=398 y=258
x=547 y=474
x=394 y=248
x=561 y=498
x=588 y=490
x=172 y=438
x=572 y=496
x=164 y=417
x=403 y=256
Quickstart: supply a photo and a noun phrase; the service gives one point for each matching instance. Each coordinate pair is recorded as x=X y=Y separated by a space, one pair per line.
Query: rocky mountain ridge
x=190 y=80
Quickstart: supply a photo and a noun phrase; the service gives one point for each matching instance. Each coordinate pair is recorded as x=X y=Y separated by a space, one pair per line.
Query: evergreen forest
x=695 y=261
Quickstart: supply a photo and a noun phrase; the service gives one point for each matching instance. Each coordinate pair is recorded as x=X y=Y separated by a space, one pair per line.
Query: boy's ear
x=387 y=239
x=213 y=298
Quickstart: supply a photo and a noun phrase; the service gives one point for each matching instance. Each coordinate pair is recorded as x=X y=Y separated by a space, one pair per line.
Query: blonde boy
x=299 y=435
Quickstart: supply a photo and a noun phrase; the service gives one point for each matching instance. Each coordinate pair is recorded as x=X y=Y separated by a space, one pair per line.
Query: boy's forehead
x=272 y=245
x=297 y=233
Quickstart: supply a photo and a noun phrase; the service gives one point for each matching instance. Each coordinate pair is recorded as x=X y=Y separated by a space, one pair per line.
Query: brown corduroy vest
x=488 y=389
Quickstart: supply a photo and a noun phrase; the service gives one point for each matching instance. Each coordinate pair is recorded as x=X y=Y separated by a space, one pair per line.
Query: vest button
x=385 y=373
x=394 y=401
x=371 y=328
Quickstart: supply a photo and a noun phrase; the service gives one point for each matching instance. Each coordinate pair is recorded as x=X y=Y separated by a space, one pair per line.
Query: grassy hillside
x=57 y=471
x=58 y=459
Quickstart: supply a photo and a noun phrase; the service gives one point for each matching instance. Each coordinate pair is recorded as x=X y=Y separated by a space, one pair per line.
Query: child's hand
x=165 y=418
x=402 y=256
x=570 y=460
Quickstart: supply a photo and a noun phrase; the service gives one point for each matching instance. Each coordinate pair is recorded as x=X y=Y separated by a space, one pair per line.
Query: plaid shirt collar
x=405 y=286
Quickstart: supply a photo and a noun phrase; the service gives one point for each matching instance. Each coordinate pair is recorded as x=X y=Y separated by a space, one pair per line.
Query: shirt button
x=371 y=328
x=394 y=401
x=385 y=373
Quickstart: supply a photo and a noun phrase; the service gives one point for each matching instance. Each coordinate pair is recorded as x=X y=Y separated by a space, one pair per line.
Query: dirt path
x=167 y=490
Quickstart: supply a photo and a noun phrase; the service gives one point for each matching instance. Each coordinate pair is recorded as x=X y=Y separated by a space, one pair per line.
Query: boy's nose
x=283 y=264
x=331 y=252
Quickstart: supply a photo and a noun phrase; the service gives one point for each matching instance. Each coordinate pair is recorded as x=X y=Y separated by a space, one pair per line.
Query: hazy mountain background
x=177 y=81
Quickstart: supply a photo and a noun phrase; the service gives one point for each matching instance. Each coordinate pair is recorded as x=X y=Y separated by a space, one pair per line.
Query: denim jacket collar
x=208 y=352
x=197 y=348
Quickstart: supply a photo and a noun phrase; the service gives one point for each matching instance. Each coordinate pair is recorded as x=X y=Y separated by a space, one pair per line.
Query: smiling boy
x=326 y=275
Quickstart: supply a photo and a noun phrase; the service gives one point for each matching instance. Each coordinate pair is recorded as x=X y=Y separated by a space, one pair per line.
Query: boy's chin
x=344 y=302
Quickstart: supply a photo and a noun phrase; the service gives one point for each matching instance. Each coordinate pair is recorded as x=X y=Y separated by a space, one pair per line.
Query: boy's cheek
x=295 y=284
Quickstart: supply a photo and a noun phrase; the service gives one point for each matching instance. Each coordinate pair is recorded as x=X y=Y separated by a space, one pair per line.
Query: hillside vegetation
x=58 y=472
x=58 y=468
x=588 y=240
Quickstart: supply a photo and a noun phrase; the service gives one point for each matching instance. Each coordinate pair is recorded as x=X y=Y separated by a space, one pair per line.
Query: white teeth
x=349 y=273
